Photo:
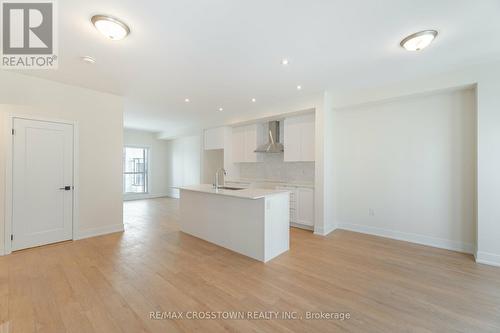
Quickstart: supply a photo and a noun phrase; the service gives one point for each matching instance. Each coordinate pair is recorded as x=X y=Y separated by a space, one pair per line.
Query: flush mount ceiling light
x=418 y=40
x=284 y=62
x=254 y=100
x=88 y=59
x=186 y=100
x=221 y=109
x=110 y=27
x=299 y=87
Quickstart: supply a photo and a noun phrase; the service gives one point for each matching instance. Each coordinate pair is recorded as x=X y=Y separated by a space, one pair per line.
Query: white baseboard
x=139 y=196
x=301 y=226
x=108 y=229
x=410 y=237
x=324 y=231
x=90 y=233
x=487 y=258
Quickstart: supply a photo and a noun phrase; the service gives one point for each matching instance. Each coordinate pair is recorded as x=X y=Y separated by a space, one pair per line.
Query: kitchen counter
x=246 y=193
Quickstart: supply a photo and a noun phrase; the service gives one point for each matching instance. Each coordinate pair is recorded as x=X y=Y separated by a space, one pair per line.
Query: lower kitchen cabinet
x=305 y=206
x=301 y=206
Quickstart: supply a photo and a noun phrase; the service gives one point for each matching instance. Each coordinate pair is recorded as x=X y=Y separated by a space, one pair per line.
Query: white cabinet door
x=251 y=141
x=305 y=206
x=293 y=201
x=238 y=144
x=299 y=138
x=307 y=137
x=291 y=139
x=214 y=138
x=245 y=141
x=301 y=205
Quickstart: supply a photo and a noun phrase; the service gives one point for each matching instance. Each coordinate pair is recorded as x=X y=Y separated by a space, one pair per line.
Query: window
x=135 y=170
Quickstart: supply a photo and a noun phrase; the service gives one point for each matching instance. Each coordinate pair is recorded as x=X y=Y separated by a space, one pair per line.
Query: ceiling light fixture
x=88 y=59
x=221 y=109
x=299 y=87
x=186 y=100
x=110 y=27
x=284 y=62
x=419 y=40
x=254 y=100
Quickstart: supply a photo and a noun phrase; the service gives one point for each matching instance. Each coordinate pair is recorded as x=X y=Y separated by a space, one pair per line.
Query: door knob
x=65 y=188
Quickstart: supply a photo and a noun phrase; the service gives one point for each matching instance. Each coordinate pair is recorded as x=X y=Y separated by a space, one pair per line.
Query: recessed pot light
x=254 y=100
x=110 y=27
x=299 y=87
x=284 y=62
x=418 y=40
x=88 y=59
x=186 y=100
x=221 y=109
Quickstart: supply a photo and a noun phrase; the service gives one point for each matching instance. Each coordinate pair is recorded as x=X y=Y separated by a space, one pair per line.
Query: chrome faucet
x=216 y=178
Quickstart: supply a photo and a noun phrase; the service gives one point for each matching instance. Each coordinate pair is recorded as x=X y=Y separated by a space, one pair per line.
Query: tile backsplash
x=274 y=168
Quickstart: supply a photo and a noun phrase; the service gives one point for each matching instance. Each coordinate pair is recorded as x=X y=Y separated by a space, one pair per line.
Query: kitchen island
x=252 y=222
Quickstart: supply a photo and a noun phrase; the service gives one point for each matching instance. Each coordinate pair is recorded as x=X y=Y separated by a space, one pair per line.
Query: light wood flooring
x=112 y=283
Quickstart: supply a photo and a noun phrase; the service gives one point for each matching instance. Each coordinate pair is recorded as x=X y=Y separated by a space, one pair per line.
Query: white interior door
x=42 y=207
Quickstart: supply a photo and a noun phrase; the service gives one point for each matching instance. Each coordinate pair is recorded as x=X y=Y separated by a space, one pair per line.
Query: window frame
x=146 y=172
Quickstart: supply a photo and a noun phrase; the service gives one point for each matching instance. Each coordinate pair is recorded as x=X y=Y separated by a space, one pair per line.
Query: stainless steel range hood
x=273 y=145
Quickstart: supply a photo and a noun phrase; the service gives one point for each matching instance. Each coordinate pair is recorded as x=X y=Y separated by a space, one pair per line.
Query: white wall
x=411 y=161
x=100 y=128
x=488 y=166
x=184 y=159
x=486 y=78
x=158 y=158
x=324 y=218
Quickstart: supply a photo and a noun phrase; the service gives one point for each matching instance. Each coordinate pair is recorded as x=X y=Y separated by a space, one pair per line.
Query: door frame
x=9 y=146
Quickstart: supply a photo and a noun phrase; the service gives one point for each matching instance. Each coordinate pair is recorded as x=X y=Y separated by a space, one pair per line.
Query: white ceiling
x=221 y=53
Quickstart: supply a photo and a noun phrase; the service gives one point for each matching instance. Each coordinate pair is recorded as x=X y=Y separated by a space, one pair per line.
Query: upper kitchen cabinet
x=214 y=138
x=245 y=141
x=299 y=138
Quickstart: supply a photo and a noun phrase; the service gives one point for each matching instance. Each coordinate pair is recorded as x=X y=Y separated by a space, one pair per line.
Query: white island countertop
x=247 y=193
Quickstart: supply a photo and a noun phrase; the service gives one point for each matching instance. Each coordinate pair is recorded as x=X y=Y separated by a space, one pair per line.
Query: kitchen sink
x=230 y=188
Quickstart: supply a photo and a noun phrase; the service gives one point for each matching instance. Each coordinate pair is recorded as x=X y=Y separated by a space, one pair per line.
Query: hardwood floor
x=112 y=283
